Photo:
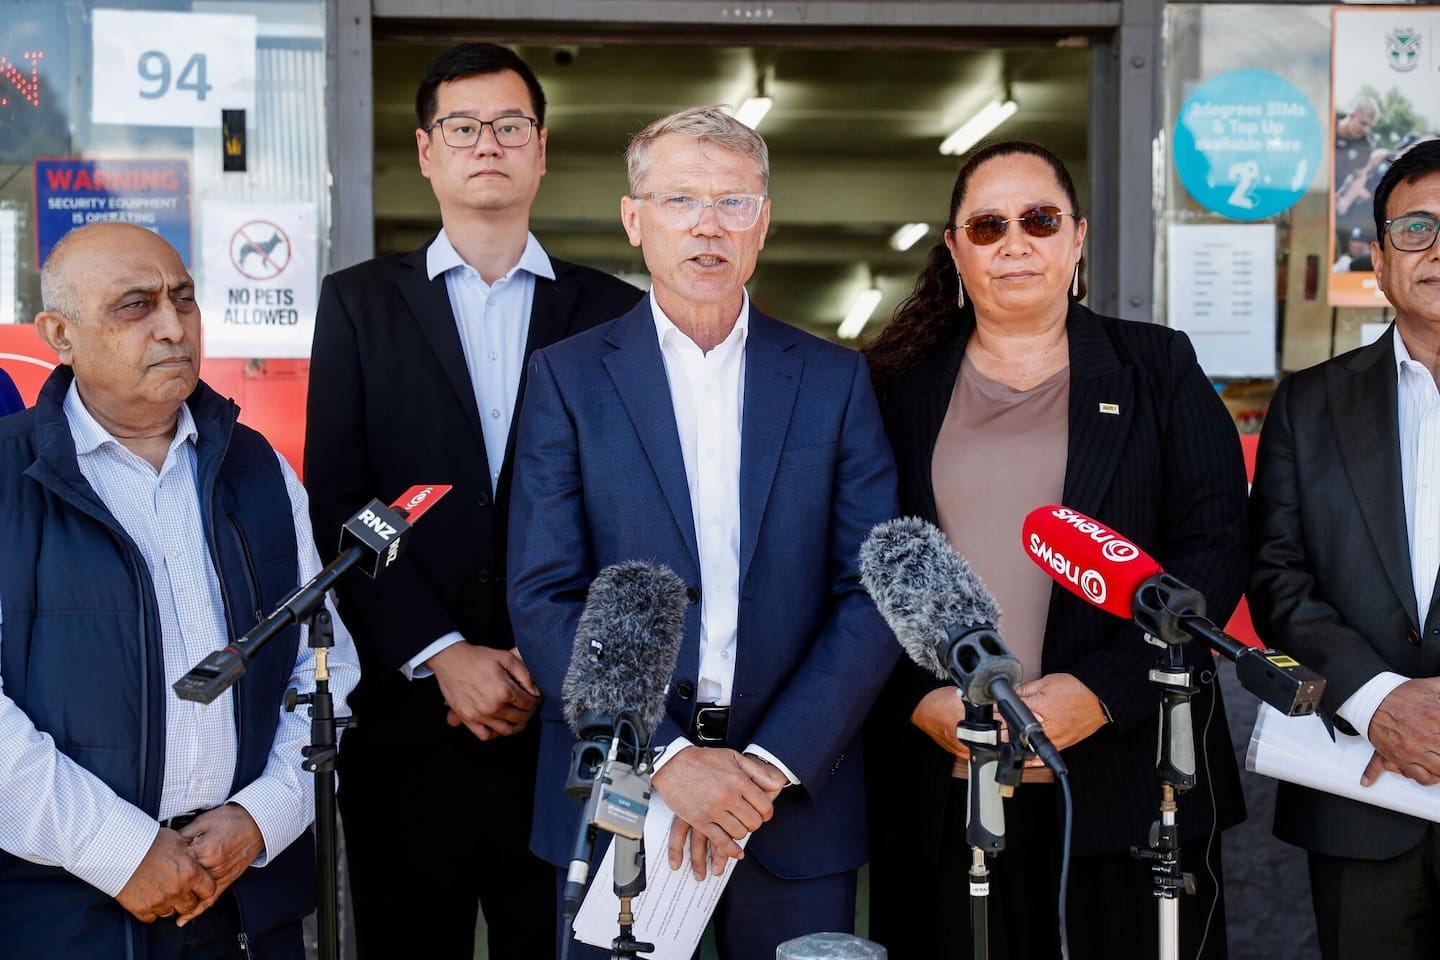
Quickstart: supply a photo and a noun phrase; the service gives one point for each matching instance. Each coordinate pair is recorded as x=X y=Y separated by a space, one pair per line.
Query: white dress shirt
x=707 y=393
x=1418 y=410
x=55 y=812
x=494 y=323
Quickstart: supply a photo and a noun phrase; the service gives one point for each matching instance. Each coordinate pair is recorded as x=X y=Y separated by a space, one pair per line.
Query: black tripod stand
x=320 y=760
x=994 y=772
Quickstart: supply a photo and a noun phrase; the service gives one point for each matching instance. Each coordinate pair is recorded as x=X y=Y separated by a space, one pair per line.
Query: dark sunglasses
x=1037 y=222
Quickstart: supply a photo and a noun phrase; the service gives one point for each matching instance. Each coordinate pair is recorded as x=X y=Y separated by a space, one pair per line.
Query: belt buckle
x=711 y=724
x=181 y=820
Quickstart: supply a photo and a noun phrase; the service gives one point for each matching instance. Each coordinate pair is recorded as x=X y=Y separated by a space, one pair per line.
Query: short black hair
x=472 y=60
x=1421 y=159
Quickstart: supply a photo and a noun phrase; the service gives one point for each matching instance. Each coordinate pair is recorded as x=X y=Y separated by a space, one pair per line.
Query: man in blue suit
x=697 y=432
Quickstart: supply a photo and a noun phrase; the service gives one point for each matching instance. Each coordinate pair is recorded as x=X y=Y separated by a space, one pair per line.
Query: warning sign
x=258 y=288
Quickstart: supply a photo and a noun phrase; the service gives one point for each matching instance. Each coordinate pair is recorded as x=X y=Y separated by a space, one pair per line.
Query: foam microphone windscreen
x=923 y=588
x=626 y=644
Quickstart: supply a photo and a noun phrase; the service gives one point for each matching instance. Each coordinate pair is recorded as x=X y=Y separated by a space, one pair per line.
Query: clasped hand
x=184 y=873
x=719 y=797
x=489 y=691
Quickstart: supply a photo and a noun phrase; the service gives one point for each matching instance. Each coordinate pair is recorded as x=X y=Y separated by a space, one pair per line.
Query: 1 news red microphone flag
x=1087 y=558
x=1108 y=571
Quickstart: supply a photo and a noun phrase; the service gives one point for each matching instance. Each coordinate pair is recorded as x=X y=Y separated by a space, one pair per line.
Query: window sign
x=1247 y=144
x=1221 y=285
x=259 y=289
x=1386 y=99
x=171 y=69
x=70 y=193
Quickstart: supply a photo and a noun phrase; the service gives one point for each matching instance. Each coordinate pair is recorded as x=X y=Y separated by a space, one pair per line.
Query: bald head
x=120 y=311
x=59 y=280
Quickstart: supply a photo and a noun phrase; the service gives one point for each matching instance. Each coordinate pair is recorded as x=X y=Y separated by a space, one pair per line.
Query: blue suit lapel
x=772 y=380
x=638 y=372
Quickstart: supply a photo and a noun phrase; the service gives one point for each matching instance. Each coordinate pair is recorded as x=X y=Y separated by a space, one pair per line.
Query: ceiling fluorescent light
x=908 y=235
x=859 y=314
x=978 y=127
x=753 y=110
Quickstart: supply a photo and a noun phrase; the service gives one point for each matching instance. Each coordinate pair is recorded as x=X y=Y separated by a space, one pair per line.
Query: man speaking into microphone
x=748 y=457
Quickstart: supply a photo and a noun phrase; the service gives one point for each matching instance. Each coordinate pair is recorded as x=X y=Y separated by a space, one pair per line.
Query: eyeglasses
x=1413 y=232
x=1037 y=222
x=735 y=211
x=464 y=132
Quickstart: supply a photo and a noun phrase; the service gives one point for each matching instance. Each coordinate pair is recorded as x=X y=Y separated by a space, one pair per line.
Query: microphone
x=370 y=539
x=944 y=617
x=1108 y=571
x=625 y=648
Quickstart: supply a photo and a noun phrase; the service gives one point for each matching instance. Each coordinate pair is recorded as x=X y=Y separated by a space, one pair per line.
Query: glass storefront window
x=204 y=121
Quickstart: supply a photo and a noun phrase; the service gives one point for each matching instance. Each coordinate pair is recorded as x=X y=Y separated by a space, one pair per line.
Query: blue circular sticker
x=1247 y=144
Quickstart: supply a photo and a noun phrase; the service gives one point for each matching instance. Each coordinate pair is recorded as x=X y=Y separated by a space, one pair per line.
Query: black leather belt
x=181 y=820
x=711 y=723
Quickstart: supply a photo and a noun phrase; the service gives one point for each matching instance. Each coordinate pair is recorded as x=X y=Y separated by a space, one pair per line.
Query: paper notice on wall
x=258 y=287
x=9 y=265
x=1221 y=291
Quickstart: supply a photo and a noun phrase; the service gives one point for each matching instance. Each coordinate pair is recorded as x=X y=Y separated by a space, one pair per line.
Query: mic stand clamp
x=320 y=758
x=1175 y=765
x=994 y=772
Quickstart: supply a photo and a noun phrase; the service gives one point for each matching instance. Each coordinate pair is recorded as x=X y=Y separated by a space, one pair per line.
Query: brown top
x=1000 y=454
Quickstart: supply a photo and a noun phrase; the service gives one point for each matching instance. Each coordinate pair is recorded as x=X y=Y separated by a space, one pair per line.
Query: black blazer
x=391 y=405
x=1331 y=583
x=1167 y=472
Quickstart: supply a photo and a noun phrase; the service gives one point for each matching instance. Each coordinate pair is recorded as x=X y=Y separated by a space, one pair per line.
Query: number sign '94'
x=171 y=69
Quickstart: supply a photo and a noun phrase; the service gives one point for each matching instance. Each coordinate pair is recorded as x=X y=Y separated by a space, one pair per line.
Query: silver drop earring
x=1075 y=284
x=960 y=284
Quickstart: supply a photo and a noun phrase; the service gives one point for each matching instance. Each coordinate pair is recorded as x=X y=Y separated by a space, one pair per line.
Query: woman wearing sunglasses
x=1002 y=393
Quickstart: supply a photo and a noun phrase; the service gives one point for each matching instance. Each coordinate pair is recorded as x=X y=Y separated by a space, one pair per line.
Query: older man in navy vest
x=144 y=528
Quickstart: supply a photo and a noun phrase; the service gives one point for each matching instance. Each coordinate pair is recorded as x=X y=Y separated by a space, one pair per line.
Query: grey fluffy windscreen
x=923 y=588
x=626 y=644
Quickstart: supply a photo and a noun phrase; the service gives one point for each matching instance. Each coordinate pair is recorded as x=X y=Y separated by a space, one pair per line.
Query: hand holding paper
x=1405 y=732
x=719 y=797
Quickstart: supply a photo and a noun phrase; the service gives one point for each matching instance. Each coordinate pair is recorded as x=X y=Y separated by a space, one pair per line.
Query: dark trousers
x=1379 y=908
x=921 y=911
x=758 y=912
x=215 y=935
x=434 y=834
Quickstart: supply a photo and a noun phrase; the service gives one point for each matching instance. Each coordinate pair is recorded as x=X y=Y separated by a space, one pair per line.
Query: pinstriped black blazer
x=1166 y=471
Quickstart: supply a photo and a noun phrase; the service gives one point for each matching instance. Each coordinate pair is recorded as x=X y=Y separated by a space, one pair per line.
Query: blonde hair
x=709 y=124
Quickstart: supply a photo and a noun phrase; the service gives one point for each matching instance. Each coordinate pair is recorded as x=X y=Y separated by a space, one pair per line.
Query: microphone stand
x=629 y=883
x=994 y=770
x=320 y=760
x=1175 y=765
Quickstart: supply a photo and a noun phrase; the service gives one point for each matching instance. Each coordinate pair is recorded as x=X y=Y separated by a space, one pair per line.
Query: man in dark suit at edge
x=1345 y=520
x=417 y=369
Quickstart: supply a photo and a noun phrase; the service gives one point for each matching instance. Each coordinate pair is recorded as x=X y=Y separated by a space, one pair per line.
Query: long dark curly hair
x=930 y=313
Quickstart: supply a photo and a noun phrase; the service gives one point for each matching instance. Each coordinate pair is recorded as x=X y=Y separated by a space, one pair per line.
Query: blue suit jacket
x=10 y=400
x=605 y=482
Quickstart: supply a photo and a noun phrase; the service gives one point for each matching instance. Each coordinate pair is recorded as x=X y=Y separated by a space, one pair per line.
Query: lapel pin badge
x=1110 y=408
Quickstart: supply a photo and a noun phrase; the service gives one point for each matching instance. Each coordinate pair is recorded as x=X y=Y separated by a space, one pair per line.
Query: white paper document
x=1299 y=750
x=673 y=909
